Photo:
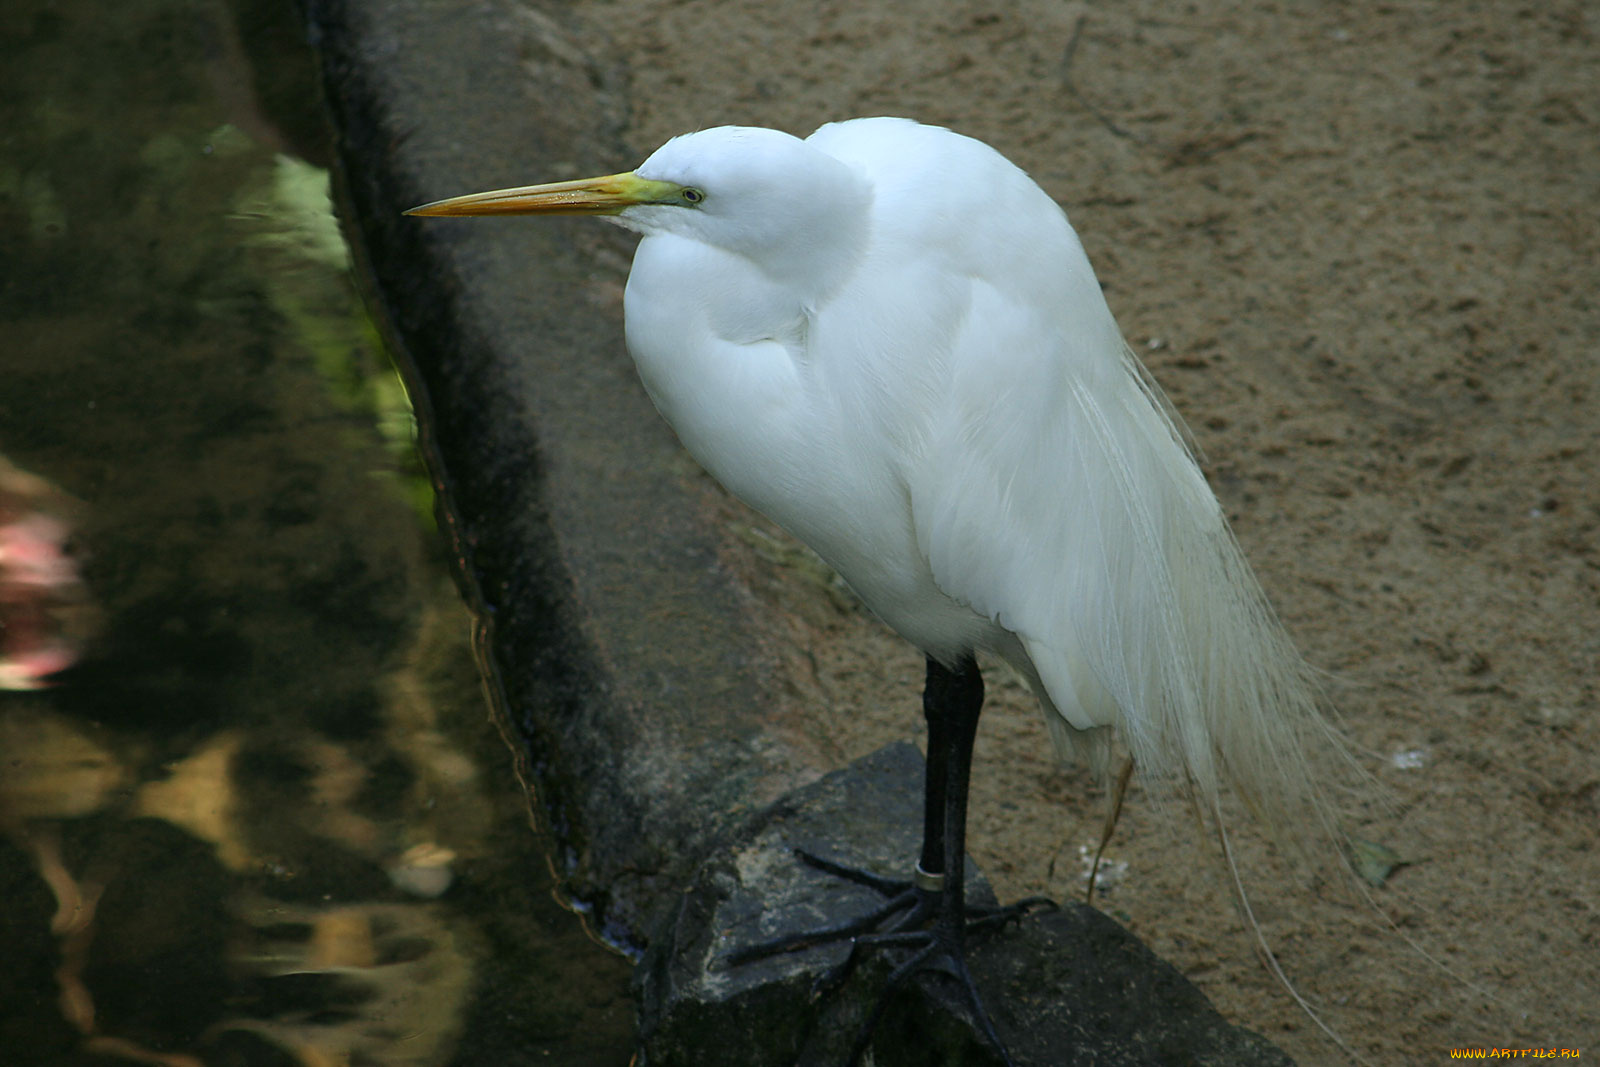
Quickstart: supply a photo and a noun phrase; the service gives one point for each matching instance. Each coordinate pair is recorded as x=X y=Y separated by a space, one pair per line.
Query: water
x=264 y=817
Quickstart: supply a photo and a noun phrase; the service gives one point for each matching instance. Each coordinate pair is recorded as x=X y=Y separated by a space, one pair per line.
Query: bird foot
x=919 y=905
x=981 y=917
x=930 y=923
x=938 y=950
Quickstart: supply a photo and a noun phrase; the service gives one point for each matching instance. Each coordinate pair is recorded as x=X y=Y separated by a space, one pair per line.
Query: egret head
x=755 y=192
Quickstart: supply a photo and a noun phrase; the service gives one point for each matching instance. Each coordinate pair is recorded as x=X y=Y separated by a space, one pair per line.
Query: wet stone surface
x=1062 y=985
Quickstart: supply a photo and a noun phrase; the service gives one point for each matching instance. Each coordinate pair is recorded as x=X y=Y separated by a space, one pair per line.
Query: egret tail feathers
x=1186 y=657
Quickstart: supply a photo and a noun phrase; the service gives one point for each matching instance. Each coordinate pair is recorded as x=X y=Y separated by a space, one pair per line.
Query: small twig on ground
x=1066 y=78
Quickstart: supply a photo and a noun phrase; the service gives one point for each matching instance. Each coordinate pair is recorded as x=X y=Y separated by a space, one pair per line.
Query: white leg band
x=920 y=878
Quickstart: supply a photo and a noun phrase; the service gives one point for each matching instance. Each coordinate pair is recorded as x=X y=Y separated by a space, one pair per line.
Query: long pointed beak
x=605 y=195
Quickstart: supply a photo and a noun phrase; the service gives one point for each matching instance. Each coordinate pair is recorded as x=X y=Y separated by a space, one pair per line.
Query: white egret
x=888 y=339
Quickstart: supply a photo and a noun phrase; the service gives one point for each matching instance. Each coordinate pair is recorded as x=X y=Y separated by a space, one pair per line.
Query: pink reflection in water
x=40 y=589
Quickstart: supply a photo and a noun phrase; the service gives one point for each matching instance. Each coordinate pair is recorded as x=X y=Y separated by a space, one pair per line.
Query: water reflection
x=260 y=817
x=44 y=607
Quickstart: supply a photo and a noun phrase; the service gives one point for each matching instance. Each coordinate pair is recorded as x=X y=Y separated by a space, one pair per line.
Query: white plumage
x=888 y=339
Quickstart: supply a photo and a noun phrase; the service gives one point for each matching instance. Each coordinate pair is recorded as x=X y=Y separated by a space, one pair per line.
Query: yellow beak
x=606 y=195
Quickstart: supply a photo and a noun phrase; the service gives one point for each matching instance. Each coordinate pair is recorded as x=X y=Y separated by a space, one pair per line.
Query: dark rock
x=1063 y=986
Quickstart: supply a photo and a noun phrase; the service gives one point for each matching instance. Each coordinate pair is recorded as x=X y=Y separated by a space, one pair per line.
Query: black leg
x=952 y=700
x=927 y=915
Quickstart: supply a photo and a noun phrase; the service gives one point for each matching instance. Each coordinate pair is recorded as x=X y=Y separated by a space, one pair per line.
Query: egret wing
x=1057 y=497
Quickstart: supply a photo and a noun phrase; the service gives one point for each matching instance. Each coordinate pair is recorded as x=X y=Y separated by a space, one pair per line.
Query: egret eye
x=692 y=195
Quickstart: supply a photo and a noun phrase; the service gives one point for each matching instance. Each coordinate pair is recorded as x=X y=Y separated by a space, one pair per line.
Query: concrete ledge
x=620 y=643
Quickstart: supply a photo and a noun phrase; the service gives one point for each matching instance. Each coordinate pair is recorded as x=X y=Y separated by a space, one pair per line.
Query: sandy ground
x=1356 y=245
